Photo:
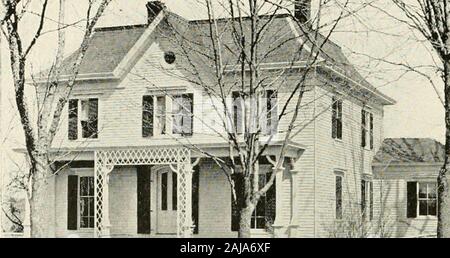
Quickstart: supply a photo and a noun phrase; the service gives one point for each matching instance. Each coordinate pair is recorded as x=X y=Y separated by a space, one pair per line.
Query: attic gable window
x=83 y=113
x=336 y=119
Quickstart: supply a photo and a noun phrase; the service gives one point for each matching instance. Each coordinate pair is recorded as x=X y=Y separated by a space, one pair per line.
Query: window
x=366 y=129
x=83 y=113
x=366 y=198
x=86 y=202
x=338 y=197
x=427 y=199
x=336 y=121
x=183 y=114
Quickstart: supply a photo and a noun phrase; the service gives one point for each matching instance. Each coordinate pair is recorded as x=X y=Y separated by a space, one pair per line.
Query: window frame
x=82 y=172
x=426 y=199
x=80 y=134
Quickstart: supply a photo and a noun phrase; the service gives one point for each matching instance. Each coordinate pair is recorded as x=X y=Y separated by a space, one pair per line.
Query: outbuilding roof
x=410 y=150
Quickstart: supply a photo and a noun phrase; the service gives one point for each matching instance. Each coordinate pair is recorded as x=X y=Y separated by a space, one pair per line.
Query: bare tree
x=431 y=19
x=53 y=92
x=237 y=49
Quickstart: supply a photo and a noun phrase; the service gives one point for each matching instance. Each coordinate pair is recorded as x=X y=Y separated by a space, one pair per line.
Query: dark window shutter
x=174 y=191
x=339 y=120
x=270 y=200
x=93 y=118
x=143 y=199
x=411 y=200
x=236 y=205
x=334 y=119
x=147 y=116
x=72 y=202
x=363 y=198
x=363 y=128
x=73 y=119
x=371 y=130
x=195 y=197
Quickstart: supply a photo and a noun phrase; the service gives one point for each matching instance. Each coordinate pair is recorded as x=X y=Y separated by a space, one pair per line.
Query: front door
x=166 y=217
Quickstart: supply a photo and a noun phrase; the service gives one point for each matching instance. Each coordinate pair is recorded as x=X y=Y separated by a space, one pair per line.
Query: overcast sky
x=368 y=34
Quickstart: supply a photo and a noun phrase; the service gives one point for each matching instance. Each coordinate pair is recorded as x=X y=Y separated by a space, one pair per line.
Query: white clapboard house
x=131 y=160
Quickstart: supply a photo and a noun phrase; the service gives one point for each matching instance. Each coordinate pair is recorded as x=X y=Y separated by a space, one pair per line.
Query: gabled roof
x=410 y=150
x=282 y=42
x=106 y=50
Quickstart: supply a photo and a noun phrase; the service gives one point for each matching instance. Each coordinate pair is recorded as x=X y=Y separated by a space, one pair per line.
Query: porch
x=163 y=192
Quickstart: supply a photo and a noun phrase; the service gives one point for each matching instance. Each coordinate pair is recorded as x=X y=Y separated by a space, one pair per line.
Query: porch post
x=278 y=224
x=184 y=216
x=293 y=225
x=27 y=219
x=106 y=223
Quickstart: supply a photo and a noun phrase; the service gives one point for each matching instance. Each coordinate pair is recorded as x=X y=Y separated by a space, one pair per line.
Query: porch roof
x=293 y=150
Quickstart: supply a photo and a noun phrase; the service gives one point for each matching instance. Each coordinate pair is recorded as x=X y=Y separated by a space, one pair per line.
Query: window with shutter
x=147 y=116
x=73 y=119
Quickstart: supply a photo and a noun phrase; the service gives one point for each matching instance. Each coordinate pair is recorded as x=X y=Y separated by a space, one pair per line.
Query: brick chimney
x=153 y=9
x=302 y=10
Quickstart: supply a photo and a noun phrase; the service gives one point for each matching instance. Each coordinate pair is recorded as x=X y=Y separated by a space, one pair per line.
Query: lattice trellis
x=105 y=162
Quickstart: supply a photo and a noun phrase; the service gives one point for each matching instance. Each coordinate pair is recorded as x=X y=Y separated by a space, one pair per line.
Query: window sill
x=338 y=140
x=169 y=136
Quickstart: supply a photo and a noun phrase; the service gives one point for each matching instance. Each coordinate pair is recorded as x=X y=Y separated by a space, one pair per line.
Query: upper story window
x=267 y=117
x=163 y=115
x=366 y=129
x=336 y=120
x=83 y=113
x=421 y=199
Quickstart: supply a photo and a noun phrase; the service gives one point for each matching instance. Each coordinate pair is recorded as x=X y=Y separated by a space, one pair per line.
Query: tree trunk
x=244 y=221
x=39 y=198
x=443 y=228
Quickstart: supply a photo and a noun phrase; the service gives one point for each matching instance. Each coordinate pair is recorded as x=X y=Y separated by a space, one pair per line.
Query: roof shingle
x=410 y=150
